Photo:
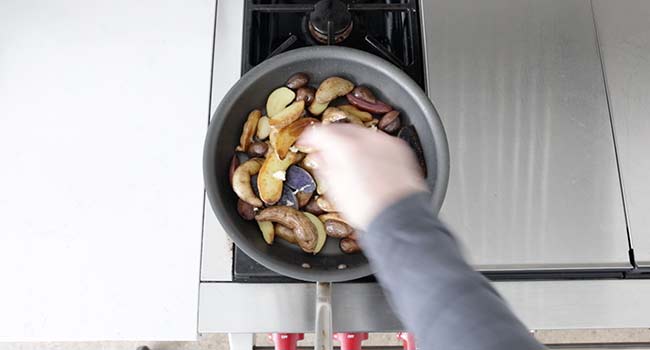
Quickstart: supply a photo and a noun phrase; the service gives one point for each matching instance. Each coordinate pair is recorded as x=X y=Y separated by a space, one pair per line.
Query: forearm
x=436 y=294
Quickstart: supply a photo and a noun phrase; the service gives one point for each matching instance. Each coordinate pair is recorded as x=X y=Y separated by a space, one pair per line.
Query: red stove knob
x=286 y=341
x=351 y=341
x=408 y=340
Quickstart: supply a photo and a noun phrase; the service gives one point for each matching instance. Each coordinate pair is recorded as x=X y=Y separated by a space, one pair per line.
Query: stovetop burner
x=389 y=29
x=330 y=22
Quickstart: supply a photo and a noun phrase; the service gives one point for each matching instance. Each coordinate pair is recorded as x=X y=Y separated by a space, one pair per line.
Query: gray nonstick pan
x=389 y=84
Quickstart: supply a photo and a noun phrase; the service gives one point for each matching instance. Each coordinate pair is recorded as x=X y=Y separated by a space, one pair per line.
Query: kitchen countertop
x=103 y=111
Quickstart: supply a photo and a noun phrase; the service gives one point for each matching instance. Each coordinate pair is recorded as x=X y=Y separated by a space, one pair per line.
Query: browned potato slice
x=332 y=216
x=372 y=124
x=241 y=181
x=336 y=115
x=332 y=88
x=362 y=115
x=271 y=176
x=268 y=231
x=249 y=130
x=317 y=108
x=288 y=135
x=305 y=231
x=263 y=128
x=325 y=204
x=278 y=100
x=287 y=115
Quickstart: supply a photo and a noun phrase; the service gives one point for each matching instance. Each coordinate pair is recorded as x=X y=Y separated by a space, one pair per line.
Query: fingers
x=321 y=137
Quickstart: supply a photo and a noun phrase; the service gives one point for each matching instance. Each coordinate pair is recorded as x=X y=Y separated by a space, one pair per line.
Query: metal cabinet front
x=519 y=86
x=624 y=36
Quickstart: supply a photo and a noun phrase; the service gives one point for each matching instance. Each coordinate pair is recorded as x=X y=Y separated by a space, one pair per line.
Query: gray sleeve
x=436 y=294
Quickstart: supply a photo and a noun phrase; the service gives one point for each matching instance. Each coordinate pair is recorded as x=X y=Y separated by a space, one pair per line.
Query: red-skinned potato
x=349 y=246
x=305 y=231
x=245 y=210
x=241 y=181
x=306 y=94
x=258 y=149
x=337 y=229
x=287 y=115
x=313 y=207
x=248 y=132
x=234 y=163
x=285 y=233
x=272 y=174
x=320 y=232
x=297 y=81
x=289 y=134
x=378 y=107
x=364 y=93
x=303 y=198
x=390 y=122
x=336 y=226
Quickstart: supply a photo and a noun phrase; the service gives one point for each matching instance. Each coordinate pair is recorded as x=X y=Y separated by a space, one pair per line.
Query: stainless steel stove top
x=534 y=185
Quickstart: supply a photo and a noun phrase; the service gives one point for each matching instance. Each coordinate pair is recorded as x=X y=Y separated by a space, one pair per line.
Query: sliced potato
x=271 y=176
x=332 y=88
x=263 y=128
x=287 y=115
x=288 y=135
x=317 y=108
x=304 y=229
x=241 y=181
x=371 y=123
x=332 y=216
x=268 y=231
x=321 y=185
x=278 y=100
x=336 y=115
x=248 y=132
x=362 y=115
x=325 y=204
x=320 y=230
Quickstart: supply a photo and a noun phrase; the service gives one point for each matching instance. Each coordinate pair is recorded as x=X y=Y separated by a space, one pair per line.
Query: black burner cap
x=334 y=11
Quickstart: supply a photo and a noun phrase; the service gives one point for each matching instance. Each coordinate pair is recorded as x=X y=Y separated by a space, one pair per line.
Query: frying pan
x=389 y=84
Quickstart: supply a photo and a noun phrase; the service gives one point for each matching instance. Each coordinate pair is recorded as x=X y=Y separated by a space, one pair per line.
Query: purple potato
x=288 y=198
x=299 y=180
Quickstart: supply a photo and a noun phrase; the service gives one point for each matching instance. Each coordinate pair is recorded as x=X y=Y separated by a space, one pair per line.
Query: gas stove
x=390 y=30
x=535 y=191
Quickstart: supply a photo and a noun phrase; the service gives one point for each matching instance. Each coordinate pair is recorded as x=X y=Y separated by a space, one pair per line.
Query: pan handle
x=323 y=331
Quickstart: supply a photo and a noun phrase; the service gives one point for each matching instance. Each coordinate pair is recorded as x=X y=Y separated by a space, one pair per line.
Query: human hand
x=366 y=171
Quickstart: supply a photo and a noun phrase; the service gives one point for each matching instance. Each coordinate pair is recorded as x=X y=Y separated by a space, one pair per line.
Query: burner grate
x=389 y=29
